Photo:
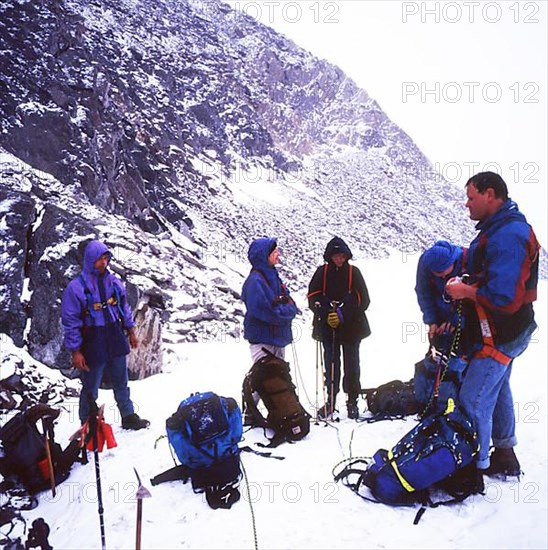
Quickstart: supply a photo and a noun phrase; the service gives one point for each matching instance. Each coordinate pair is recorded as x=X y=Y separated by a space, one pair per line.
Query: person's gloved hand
x=283 y=299
x=334 y=318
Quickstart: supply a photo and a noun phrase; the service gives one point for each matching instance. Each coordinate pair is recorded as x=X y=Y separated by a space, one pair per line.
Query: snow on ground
x=294 y=503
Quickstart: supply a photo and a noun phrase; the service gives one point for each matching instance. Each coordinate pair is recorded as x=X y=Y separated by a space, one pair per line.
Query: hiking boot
x=503 y=463
x=352 y=409
x=134 y=422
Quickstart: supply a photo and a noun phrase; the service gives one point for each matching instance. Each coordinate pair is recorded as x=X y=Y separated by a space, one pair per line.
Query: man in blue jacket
x=95 y=313
x=503 y=266
x=269 y=307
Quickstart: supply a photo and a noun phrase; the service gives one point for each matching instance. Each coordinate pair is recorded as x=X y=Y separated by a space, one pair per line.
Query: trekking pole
x=142 y=492
x=47 y=433
x=318 y=351
x=333 y=305
x=93 y=430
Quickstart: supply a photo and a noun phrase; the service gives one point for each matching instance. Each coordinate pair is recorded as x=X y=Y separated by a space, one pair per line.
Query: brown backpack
x=270 y=378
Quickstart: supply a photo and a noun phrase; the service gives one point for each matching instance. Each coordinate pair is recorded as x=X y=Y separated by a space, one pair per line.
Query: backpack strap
x=349 y=277
x=180 y=472
x=282 y=286
x=252 y=415
x=89 y=299
x=405 y=484
x=119 y=300
x=115 y=300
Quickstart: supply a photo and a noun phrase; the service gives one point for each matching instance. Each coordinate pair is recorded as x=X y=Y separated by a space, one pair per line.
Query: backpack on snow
x=204 y=432
x=270 y=378
x=394 y=399
x=25 y=450
x=437 y=454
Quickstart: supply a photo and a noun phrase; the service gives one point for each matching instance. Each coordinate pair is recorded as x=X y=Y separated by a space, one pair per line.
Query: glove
x=333 y=319
x=283 y=299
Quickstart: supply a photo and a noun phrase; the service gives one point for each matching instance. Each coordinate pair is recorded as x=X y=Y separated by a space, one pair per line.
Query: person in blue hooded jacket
x=95 y=313
x=269 y=306
x=503 y=265
x=436 y=266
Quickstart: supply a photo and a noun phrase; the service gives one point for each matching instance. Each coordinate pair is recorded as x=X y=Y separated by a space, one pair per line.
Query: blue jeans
x=332 y=361
x=486 y=397
x=116 y=369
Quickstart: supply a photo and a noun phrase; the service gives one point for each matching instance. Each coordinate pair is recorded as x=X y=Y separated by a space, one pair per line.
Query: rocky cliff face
x=177 y=131
x=41 y=250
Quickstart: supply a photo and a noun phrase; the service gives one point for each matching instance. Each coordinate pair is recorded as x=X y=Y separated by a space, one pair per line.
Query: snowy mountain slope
x=155 y=109
x=180 y=131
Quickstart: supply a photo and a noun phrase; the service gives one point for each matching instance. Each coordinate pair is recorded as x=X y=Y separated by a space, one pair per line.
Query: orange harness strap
x=488 y=349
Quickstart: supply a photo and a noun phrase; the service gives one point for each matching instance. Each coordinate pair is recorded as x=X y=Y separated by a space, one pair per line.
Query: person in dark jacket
x=269 y=306
x=436 y=266
x=95 y=314
x=503 y=265
x=338 y=296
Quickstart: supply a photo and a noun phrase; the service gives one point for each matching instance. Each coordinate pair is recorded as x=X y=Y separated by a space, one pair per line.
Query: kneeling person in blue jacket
x=436 y=266
x=95 y=314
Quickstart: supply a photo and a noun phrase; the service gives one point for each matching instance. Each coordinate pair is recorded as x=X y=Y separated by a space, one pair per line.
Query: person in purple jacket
x=95 y=314
x=503 y=267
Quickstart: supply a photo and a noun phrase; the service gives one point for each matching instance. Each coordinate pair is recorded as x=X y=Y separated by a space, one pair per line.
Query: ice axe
x=93 y=423
x=142 y=492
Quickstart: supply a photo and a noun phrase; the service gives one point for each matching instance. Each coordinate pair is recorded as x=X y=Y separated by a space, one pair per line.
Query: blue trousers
x=486 y=397
x=332 y=361
x=116 y=369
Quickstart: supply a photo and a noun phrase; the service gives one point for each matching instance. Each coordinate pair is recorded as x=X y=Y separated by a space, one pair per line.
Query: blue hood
x=441 y=256
x=94 y=250
x=258 y=253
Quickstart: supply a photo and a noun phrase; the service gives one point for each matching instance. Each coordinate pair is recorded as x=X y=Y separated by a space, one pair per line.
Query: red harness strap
x=488 y=349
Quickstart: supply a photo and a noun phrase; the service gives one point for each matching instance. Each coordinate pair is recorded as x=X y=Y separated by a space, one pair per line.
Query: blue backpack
x=438 y=452
x=204 y=433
